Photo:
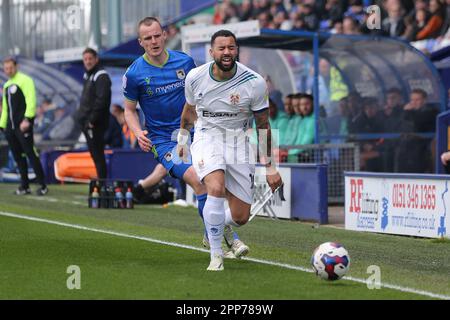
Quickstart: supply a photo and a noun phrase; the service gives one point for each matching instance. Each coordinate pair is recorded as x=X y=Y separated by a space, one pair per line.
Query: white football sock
x=229 y=219
x=214 y=215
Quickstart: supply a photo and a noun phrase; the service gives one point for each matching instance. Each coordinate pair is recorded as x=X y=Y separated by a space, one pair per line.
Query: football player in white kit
x=221 y=98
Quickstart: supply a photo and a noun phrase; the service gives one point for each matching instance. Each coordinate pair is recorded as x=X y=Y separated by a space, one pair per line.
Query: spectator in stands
x=279 y=124
x=446 y=24
x=417 y=115
x=433 y=27
x=93 y=113
x=393 y=25
x=128 y=137
x=391 y=113
x=338 y=27
x=390 y=118
x=264 y=19
x=350 y=26
x=279 y=20
x=225 y=12
x=288 y=105
x=173 y=37
x=413 y=151
x=367 y=122
x=324 y=85
x=290 y=134
x=310 y=17
x=261 y=6
x=343 y=113
x=299 y=23
x=276 y=7
x=415 y=27
x=63 y=126
x=44 y=117
x=306 y=127
x=354 y=110
x=113 y=135
x=274 y=93
x=445 y=159
x=355 y=11
x=246 y=11
x=333 y=12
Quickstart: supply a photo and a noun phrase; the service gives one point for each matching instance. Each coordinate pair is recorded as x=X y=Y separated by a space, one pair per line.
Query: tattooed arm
x=188 y=117
x=264 y=135
x=265 y=148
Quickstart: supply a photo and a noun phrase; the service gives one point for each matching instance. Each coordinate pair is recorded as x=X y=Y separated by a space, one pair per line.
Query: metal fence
x=339 y=158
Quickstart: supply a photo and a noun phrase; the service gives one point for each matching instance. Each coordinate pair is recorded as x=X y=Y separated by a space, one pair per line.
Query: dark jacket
x=95 y=99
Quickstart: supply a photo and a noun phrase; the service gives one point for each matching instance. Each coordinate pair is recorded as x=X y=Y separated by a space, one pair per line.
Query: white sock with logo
x=214 y=217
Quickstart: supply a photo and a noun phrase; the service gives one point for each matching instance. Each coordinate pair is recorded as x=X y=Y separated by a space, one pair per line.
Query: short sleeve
x=129 y=86
x=188 y=92
x=260 y=99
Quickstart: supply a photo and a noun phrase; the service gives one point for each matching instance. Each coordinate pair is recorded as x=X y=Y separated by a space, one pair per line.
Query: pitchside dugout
x=341 y=72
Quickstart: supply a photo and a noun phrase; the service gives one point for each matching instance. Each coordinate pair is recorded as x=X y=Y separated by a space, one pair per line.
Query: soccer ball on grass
x=330 y=261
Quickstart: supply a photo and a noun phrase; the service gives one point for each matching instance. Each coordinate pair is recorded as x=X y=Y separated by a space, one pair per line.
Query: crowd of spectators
x=407 y=19
x=409 y=149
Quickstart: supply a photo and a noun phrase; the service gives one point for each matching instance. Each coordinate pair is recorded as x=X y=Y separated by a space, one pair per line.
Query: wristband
x=183 y=137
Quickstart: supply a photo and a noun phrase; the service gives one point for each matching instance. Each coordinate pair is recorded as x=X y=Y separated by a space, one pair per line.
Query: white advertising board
x=397 y=205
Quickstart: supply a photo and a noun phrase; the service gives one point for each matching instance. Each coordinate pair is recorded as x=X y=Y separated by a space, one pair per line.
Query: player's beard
x=225 y=68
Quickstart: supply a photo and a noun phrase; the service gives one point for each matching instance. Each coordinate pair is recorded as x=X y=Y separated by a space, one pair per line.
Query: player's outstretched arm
x=132 y=119
x=188 y=118
x=265 y=148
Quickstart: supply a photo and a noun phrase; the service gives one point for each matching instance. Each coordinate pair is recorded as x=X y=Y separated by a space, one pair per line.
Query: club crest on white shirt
x=235 y=98
x=181 y=74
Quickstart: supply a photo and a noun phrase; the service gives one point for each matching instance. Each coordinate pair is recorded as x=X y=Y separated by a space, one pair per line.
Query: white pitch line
x=178 y=245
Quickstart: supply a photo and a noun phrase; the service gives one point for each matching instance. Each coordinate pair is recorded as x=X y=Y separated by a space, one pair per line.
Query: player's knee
x=216 y=190
x=241 y=220
x=199 y=188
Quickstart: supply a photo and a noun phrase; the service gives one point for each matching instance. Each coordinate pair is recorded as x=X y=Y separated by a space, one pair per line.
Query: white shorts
x=234 y=155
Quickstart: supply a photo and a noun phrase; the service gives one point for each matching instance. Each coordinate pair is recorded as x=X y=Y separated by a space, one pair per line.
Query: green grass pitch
x=35 y=255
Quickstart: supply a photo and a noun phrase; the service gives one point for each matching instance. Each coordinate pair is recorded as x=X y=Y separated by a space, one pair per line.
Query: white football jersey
x=225 y=104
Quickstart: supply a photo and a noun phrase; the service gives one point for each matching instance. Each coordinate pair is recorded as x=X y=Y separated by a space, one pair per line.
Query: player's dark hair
x=223 y=33
x=148 y=21
x=90 y=51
